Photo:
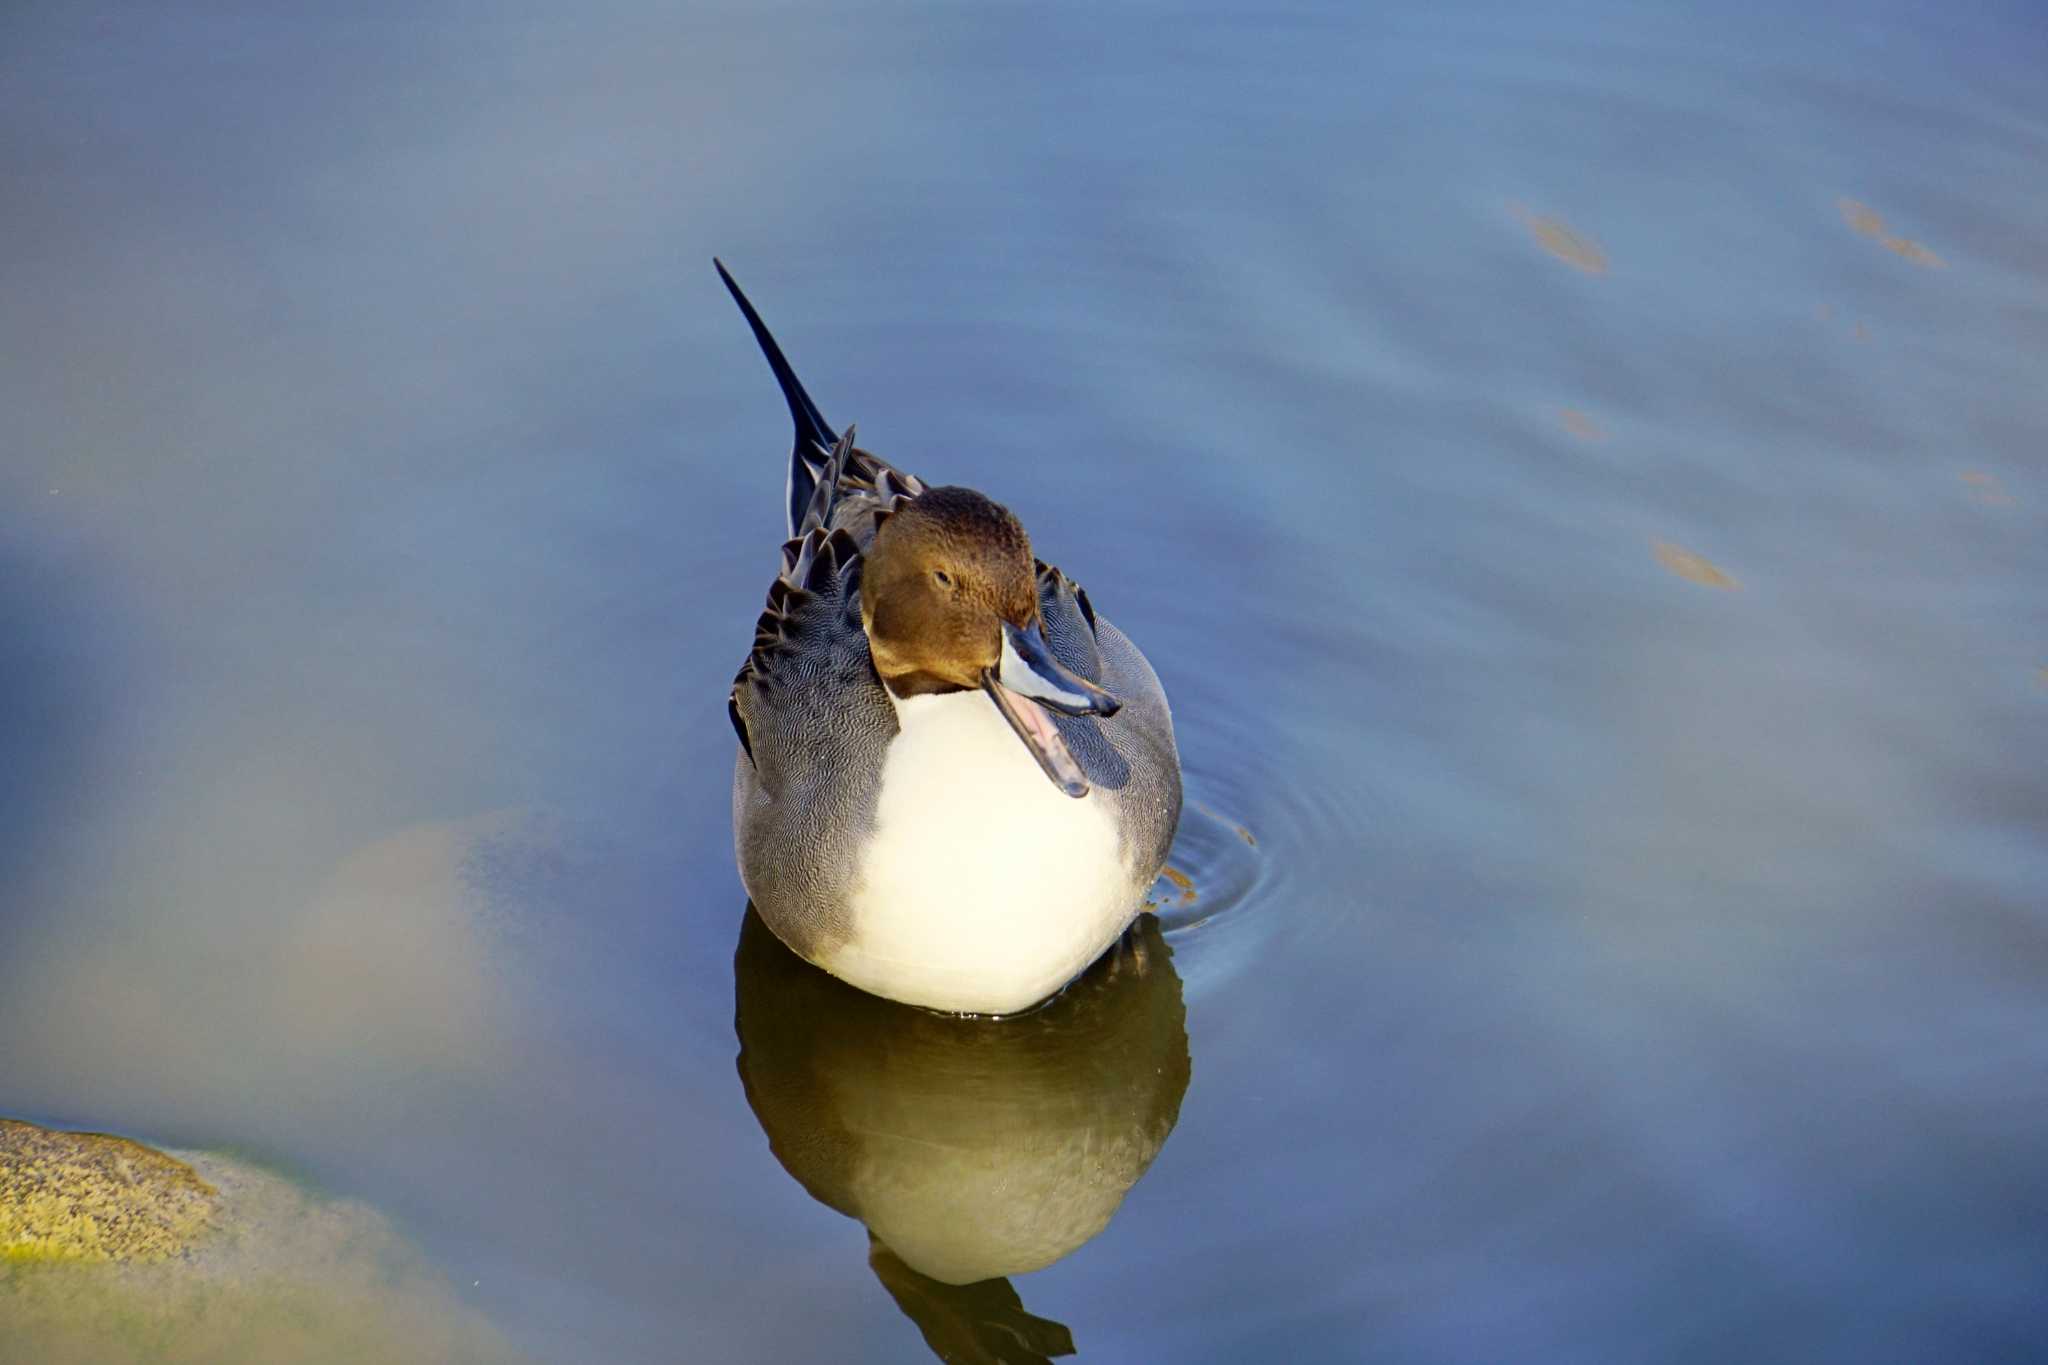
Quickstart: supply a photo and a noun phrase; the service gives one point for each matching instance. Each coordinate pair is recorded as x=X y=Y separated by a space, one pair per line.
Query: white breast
x=984 y=888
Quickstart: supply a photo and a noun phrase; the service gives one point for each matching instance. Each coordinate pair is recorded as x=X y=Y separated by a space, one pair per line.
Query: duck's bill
x=1034 y=726
x=1027 y=681
x=1029 y=669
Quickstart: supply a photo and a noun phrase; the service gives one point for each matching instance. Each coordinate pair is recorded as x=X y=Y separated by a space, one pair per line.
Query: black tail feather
x=814 y=439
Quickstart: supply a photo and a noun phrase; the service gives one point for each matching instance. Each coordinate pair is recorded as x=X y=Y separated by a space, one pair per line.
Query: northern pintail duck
x=956 y=779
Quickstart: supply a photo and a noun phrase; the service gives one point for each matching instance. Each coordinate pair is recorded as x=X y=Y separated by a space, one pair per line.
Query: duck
x=956 y=780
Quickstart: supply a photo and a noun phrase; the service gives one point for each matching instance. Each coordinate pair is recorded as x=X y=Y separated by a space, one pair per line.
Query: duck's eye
x=945 y=580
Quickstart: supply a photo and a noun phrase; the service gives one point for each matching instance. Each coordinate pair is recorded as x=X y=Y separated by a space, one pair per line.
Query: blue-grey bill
x=1036 y=729
x=1030 y=670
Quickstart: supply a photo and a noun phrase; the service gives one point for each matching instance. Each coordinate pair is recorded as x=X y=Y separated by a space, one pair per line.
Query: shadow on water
x=972 y=1149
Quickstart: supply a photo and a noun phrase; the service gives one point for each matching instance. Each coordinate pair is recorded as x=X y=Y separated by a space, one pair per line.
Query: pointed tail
x=812 y=454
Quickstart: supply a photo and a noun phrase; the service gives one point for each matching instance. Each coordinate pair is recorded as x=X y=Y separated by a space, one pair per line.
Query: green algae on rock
x=112 y=1253
x=95 y=1197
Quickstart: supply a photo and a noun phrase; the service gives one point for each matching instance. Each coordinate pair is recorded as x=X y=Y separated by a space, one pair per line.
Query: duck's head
x=949 y=599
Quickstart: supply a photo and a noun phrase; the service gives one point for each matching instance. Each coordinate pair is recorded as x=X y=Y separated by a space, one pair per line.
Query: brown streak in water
x=1985 y=490
x=1188 y=894
x=1691 y=567
x=1916 y=253
x=1870 y=223
x=1861 y=217
x=1581 y=425
x=1242 y=832
x=1563 y=241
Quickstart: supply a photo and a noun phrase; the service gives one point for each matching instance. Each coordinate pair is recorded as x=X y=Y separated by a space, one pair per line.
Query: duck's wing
x=866 y=488
x=809 y=666
x=809 y=647
x=1069 y=619
x=809 y=678
x=1130 y=758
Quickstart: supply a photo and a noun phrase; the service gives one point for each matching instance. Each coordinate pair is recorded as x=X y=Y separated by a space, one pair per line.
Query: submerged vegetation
x=113 y=1252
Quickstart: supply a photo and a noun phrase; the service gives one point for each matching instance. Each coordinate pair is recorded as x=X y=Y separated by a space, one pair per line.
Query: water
x=1599 y=570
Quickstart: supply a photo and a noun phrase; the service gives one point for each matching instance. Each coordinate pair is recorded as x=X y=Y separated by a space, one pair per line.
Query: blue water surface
x=1579 y=471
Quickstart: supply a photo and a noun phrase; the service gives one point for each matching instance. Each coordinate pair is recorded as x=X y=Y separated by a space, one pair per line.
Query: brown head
x=949 y=598
x=944 y=573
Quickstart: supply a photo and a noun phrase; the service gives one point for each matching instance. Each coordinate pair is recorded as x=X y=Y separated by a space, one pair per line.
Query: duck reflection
x=973 y=1149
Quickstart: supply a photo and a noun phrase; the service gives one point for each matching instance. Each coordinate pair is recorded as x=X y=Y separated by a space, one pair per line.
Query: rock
x=114 y=1253
x=94 y=1197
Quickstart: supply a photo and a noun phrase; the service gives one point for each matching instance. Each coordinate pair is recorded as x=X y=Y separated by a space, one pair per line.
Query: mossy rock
x=95 y=1197
x=113 y=1253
